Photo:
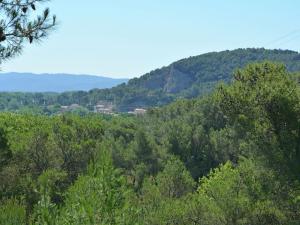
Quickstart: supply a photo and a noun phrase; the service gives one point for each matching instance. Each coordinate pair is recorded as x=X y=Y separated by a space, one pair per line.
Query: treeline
x=232 y=157
x=188 y=78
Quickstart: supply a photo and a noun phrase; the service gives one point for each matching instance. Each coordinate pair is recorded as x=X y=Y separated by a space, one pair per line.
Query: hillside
x=229 y=158
x=190 y=77
x=28 y=82
x=186 y=78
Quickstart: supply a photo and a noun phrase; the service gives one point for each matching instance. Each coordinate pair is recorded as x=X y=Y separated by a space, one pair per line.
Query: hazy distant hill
x=28 y=82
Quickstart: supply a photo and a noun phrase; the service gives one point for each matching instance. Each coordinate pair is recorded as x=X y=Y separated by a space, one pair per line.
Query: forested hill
x=189 y=73
x=186 y=78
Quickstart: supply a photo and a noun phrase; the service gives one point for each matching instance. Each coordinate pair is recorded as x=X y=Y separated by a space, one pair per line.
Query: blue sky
x=127 y=38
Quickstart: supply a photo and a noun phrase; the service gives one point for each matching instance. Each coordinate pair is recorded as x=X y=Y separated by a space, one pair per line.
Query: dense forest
x=187 y=78
x=230 y=157
x=214 y=154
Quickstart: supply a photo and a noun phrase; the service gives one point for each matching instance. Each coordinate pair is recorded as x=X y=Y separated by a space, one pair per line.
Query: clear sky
x=127 y=38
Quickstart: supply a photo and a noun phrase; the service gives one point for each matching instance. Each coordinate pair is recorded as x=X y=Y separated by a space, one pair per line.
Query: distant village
x=103 y=107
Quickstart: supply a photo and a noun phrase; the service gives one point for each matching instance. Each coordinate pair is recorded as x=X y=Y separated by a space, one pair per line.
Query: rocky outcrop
x=177 y=81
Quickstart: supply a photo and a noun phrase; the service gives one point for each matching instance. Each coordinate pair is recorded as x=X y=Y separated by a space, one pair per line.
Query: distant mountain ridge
x=30 y=82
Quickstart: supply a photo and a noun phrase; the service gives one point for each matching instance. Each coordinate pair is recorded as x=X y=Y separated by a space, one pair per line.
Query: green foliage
x=228 y=158
x=12 y=213
x=175 y=181
x=247 y=194
x=5 y=152
x=98 y=197
x=159 y=194
x=265 y=91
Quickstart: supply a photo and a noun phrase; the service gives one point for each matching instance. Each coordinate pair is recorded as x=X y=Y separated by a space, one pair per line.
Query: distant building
x=104 y=107
x=139 y=111
x=64 y=108
x=67 y=108
x=74 y=106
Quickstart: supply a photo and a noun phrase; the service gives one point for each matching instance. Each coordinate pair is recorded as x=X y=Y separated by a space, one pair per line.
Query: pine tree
x=20 y=21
